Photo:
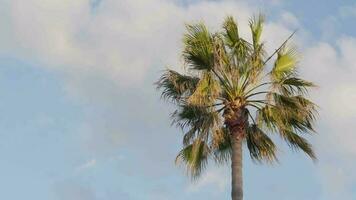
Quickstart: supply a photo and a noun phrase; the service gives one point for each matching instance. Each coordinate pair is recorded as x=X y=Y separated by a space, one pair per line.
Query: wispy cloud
x=110 y=58
x=89 y=164
x=333 y=68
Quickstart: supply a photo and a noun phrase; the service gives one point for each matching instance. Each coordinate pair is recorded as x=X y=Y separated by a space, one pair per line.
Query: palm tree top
x=229 y=82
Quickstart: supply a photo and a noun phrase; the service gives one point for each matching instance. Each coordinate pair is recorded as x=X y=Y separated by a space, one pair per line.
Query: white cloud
x=121 y=45
x=125 y=41
x=122 y=40
x=89 y=164
x=333 y=68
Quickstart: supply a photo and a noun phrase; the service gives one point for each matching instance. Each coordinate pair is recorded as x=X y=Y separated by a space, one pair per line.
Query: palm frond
x=202 y=118
x=239 y=47
x=288 y=112
x=176 y=86
x=297 y=142
x=195 y=157
x=293 y=85
x=285 y=64
x=231 y=32
x=198 y=47
x=221 y=145
x=278 y=122
x=256 y=27
x=207 y=91
x=260 y=146
x=286 y=103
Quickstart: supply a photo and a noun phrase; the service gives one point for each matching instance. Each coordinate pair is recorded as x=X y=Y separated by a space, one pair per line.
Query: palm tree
x=230 y=95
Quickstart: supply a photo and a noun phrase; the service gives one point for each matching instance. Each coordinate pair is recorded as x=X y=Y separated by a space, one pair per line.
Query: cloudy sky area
x=81 y=120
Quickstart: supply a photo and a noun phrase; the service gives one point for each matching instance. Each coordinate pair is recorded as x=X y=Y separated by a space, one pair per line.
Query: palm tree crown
x=230 y=86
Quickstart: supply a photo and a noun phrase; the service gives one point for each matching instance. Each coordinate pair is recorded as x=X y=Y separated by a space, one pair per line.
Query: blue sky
x=81 y=120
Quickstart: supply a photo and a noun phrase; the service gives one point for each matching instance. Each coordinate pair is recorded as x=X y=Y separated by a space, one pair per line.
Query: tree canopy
x=224 y=72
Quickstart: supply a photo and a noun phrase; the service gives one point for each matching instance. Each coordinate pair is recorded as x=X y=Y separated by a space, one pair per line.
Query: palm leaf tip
x=260 y=146
x=256 y=27
x=194 y=157
x=293 y=85
x=297 y=142
x=231 y=33
x=198 y=47
x=285 y=64
x=175 y=85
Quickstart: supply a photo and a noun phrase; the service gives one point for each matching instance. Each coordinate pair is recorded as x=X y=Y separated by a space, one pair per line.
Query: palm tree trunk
x=236 y=167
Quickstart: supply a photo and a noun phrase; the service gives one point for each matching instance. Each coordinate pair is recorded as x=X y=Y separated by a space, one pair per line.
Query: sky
x=80 y=118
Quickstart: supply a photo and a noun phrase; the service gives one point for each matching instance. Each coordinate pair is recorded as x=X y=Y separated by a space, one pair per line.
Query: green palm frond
x=257 y=57
x=231 y=32
x=293 y=85
x=286 y=103
x=221 y=145
x=261 y=147
x=221 y=56
x=295 y=106
x=200 y=118
x=285 y=64
x=307 y=114
x=288 y=112
x=297 y=142
x=206 y=92
x=176 y=86
x=195 y=157
x=278 y=122
x=239 y=47
x=256 y=27
x=198 y=47
x=268 y=118
x=242 y=51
